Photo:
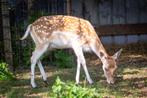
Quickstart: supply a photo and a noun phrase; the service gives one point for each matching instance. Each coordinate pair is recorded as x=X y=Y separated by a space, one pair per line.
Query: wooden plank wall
x=119 y=21
x=104 y=12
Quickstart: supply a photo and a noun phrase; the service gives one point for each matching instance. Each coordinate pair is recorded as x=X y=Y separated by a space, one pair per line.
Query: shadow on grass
x=21 y=87
x=124 y=86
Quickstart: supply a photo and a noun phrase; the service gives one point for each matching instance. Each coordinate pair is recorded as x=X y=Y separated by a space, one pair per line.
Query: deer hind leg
x=42 y=72
x=81 y=60
x=39 y=50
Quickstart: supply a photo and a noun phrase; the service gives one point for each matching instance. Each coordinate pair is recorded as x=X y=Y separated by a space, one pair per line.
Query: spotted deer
x=59 y=32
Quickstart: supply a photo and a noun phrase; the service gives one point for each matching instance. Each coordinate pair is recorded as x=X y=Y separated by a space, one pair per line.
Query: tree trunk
x=6 y=33
x=30 y=3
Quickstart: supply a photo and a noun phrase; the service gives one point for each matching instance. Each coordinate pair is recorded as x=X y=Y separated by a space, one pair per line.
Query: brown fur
x=44 y=26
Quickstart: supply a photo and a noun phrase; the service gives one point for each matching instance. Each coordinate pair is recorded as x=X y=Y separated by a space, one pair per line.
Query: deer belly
x=59 y=44
x=86 y=48
x=60 y=41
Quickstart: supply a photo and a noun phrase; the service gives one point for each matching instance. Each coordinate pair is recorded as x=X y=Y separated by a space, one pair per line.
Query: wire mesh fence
x=22 y=14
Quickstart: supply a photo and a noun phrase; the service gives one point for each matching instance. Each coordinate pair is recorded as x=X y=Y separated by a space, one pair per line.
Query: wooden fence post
x=68 y=7
x=6 y=34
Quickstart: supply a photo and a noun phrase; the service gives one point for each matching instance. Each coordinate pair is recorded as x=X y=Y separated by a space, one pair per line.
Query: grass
x=131 y=80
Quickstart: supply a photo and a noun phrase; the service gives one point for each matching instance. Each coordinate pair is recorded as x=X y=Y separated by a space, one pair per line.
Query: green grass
x=131 y=80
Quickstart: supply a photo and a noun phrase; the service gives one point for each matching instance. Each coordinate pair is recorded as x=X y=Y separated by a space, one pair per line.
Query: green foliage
x=63 y=59
x=35 y=15
x=5 y=74
x=70 y=90
x=27 y=52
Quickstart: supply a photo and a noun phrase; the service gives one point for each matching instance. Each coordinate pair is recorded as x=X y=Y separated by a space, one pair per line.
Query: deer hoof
x=34 y=86
x=46 y=83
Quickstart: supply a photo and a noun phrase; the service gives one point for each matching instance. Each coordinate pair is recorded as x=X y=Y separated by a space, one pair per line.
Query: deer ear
x=117 y=54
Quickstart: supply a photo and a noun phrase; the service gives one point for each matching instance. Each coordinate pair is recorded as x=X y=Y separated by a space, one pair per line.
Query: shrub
x=70 y=90
x=63 y=59
x=5 y=74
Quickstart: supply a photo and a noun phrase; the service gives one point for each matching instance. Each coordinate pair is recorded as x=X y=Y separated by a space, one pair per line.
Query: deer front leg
x=85 y=69
x=81 y=60
x=78 y=71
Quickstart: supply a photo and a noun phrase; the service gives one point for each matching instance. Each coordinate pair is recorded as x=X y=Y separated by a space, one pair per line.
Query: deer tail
x=27 y=32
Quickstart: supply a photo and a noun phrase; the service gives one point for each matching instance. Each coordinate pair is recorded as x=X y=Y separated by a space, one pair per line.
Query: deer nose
x=110 y=81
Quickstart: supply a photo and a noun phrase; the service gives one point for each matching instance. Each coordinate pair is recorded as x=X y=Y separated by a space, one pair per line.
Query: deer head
x=110 y=66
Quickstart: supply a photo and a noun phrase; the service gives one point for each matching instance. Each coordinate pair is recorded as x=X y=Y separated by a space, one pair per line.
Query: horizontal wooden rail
x=122 y=29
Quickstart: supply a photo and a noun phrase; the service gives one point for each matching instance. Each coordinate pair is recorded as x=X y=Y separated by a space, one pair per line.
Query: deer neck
x=100 y=51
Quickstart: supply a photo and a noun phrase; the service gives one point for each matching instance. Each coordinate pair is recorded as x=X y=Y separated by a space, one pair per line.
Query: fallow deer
x=59 y=32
